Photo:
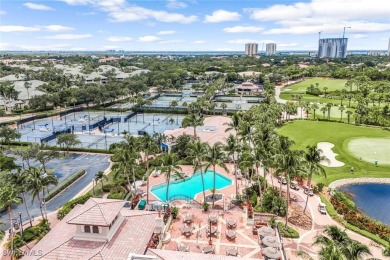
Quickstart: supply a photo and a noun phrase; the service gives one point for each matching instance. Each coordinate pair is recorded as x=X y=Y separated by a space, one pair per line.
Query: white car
x=309 y=191
x=322 y=208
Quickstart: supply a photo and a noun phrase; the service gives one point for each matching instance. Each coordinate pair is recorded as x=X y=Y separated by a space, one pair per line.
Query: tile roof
x=97 y=212
x=132 y=236
x=210 y=137
x=177 y=255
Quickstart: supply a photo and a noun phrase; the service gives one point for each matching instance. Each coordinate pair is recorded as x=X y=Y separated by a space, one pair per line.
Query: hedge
x=329 y=207
x=65 y=184
x=289 y=233
x=367 y=234
x=67 y=207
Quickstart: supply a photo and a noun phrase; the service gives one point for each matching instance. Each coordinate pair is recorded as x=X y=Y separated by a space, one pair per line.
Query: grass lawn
x=300 y=88
x=311 y=132
x=331 y=84
x=335 y=113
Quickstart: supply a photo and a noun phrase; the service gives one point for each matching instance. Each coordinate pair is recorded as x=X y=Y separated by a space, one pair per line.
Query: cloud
x=199 y=42
x=241 y=41
x=57 y=28
x=166 y=32
x=175 y=4
x=18 y=28
x=87 y=13
x=171 y=41
x=222 y=16
x=119 y=39
x=40 y=7
x=122 y=11
x=318 y=15
x=68 y=36
x=3 y=12
x=243 y=29
x=148 y=38
x=359 y=36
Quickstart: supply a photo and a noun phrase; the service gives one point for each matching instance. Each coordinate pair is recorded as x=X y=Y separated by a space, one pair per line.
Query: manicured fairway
x=330 y=84
x=311 y=132
x=371 y=149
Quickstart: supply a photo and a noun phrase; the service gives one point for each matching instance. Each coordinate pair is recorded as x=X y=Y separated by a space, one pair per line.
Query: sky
x=190 y=25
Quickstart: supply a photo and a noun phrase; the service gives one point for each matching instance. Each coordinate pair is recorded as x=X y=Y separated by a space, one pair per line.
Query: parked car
x=322 y=208
x=294 y=185
x=282 y=180
x=309 y=191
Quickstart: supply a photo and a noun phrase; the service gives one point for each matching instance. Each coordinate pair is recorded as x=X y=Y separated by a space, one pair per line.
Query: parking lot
x=63 y=168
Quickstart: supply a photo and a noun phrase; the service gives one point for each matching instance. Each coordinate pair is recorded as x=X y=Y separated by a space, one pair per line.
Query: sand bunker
x=326 y=148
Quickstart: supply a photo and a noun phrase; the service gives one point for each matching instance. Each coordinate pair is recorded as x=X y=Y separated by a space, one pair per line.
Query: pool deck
x=188 y=170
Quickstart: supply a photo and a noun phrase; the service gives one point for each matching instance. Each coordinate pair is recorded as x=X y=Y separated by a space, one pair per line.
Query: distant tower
x=332 y=48
x=270 y=49
x=388 y=48
x=251 y=49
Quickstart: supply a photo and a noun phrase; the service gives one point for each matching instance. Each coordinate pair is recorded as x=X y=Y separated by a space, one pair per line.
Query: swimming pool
x=191 y=186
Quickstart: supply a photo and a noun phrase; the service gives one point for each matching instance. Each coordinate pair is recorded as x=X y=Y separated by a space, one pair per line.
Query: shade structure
x=272 y=252
x=271 y=241
x=266 y=231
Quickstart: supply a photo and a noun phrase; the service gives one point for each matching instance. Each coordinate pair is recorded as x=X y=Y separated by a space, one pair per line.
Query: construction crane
x=345 y=27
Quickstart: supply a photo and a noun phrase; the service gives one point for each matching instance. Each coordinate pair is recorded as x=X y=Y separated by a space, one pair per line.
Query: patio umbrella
x=271 y=241
x=271 y=252
x=266 y=231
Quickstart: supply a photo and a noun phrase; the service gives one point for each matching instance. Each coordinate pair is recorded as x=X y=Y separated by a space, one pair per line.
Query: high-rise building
x=251 y=49
x=270 y=49
x=388 y=48
x=332 y=48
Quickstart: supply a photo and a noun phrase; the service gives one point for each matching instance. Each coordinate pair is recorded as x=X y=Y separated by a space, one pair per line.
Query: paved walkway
x=320 y=221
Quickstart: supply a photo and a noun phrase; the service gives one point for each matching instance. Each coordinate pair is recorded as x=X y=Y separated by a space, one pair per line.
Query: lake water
x=373 y=199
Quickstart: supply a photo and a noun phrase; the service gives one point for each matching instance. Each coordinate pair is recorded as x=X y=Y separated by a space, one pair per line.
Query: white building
x=332 y=48
x=388 y=48
x=270 y=49
x=251 y=49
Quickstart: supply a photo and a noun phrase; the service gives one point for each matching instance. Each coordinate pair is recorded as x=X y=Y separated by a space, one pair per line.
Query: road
x=64 y=167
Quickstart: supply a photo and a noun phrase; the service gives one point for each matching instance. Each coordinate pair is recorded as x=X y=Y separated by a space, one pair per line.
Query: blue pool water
x=371 y=199
x=191 y=186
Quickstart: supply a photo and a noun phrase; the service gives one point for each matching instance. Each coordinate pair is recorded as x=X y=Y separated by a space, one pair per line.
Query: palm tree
x=18 y=179
x=328 y=107
x=100 y=176
x=289 y=163
x=73 y=101
x=223 y=106
x=232 y=147
x=174 y=104
x=323 y=110
x=125 y=164
x=170 y=166
x=192 y=120
x=313 y=159
x=27 y=85
x=8 y=197
x=197 y=153
x=341 y=108
x=349 y=113
x=234 y=124
x=36 y=182
x=45 y=156
x=314 y=107
x=215 y=156
x=148 y=146
x=335 y=244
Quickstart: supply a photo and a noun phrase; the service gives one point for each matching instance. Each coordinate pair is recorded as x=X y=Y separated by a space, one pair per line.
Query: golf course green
x=371 y=149
x=304 y=133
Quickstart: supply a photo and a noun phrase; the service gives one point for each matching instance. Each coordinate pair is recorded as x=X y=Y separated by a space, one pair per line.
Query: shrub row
x=289 y=233
x=65 y=184
x=329 y=207
x=67 y=207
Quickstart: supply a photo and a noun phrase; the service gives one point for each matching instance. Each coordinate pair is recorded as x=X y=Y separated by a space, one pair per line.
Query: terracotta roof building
x=99 y=229
x=247 y=88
